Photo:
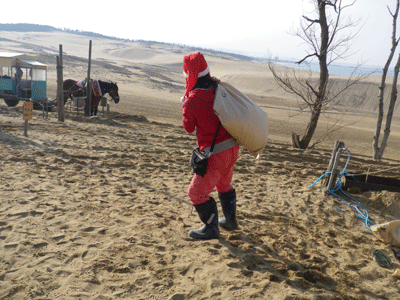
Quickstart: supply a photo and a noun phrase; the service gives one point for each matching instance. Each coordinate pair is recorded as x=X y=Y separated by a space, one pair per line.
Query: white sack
x=389 y=232
x=241 y=117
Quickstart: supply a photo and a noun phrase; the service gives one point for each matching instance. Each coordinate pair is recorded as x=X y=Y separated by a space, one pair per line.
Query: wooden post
x=89 y=84
x=46 y=101
x=329 y=181
x=28 y=115
x=335 y=171
x=295 y=141
x=60 y=92
x=26 y=128
x=58 y=85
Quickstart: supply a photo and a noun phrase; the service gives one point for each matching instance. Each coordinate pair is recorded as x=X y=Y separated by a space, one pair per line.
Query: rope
x=362 y=215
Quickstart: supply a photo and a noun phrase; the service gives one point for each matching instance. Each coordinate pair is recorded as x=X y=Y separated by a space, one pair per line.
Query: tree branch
x=312 y=22
x=305 y=58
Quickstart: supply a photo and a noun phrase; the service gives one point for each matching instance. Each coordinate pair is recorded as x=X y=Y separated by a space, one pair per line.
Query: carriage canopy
x=8 y=59
x=23 y=76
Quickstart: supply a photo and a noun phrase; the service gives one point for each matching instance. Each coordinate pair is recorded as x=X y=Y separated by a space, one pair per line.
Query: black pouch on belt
x=199 y=160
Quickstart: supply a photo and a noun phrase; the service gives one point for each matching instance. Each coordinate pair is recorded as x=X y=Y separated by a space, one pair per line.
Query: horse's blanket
x=96 y=88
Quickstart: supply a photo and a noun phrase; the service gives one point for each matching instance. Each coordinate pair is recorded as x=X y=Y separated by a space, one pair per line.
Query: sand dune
x=96 y=208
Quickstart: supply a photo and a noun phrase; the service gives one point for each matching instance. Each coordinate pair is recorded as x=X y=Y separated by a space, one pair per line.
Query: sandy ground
x=96 y=208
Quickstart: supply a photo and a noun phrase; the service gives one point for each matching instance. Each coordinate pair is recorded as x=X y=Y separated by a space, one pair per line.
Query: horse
x=72 y=89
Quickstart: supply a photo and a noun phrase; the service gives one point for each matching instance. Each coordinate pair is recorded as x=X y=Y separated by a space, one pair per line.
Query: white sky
x=258 y=27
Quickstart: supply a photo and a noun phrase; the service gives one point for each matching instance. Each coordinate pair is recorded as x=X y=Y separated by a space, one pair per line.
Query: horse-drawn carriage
x=22 y=78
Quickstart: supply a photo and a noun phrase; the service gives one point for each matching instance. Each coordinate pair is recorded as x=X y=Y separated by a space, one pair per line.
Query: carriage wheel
x=11 y=101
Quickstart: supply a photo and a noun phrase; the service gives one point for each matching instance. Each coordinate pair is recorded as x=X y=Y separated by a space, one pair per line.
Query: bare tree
x=325 y=37
x=378 y=151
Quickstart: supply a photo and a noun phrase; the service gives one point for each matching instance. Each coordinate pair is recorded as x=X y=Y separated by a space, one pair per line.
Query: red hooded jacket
x=198 y=114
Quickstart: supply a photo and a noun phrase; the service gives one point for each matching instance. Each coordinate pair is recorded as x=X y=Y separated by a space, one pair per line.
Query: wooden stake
x=295 y=141
x=60 y=96
x=28 y=115
x=366 y=177
x=89 y=84
x=26 y=128
x=334 y=171
x=336 y=147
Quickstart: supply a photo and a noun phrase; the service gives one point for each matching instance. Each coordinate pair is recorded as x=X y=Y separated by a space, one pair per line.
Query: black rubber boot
x=208 y=214
x=228 y=204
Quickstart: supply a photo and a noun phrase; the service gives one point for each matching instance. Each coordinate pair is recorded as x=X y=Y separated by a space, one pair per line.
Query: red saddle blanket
x=96 y=88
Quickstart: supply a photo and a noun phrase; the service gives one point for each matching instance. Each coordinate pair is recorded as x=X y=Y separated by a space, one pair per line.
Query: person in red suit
x=198 y=115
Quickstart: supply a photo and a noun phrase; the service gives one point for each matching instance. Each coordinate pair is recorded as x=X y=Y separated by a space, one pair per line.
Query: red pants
x=219 y=176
